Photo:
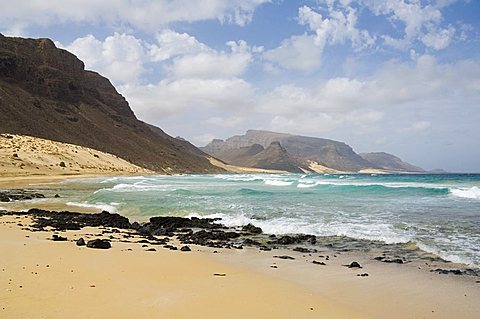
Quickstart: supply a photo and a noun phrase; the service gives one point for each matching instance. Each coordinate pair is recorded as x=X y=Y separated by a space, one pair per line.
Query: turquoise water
x=439 y=213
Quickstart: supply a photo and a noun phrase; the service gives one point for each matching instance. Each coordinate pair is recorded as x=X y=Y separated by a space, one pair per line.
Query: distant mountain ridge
x=300 y=152
x=46 y=92
x=390 y=162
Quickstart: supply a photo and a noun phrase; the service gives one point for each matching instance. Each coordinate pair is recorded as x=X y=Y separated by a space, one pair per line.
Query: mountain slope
x=390 y=162
x=46 y=92
x=240 y=156
x=329 y=153
x=274 y=157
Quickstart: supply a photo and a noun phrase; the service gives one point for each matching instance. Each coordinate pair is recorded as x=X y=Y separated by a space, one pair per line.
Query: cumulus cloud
x=421 y=21
x=170 y=44
x=119 y=57
x=213 y=64
x=124 y=58
x=338 y=27
x=304 y=52
x=170 y=97
x=203 y=139
x=148 y=15
x=425 y=85
x=439 y=39
x=420 y=127
x=196 y=76
x=231 y=121
x=299 y=52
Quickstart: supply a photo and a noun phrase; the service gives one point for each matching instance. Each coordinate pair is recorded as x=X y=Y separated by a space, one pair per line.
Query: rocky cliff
x=46 y=92
x=329 y=153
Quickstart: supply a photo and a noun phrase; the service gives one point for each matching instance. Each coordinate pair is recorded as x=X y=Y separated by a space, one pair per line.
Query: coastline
x=182 y=284
x=129 y=280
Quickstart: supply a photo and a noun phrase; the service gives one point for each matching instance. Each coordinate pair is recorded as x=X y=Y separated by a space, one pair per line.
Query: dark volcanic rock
x=304 y=250
x=80 y=242
x=354 y=264
x=75 y=221
x=99 y=244
x=56 y=237
x=297 y=239
x=167 y=225
x=458 y=272
x=284 y=257
x=319 y=263
x=252 y=229
x=185 y=248
x=389 y=260
x=19 y=194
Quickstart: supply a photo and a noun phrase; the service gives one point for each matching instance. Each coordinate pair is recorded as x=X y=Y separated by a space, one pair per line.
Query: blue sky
x=401 y=76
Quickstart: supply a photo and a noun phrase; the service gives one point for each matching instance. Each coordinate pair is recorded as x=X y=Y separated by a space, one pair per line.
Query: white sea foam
x=287 y=225
x=471 y=193
x=307 y=185
x=241 y=177
x=276 y=182
x=448 y=256
x=100 y=206
x=141 y=186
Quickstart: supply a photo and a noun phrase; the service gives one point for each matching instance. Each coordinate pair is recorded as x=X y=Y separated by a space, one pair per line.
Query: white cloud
x=420 y=127
x=198 y=77
x=338 y=27
x=203 y=139
x=231 y=121
x=299 y=52
x=426 y=86
x=304 y=52
x=149 y=15
x=170 y=97
x=439 y=39
x=124 y=58
x=213 y=64
x=421 y=20
x=119 y=57
x=305 y=123
x=171 y=43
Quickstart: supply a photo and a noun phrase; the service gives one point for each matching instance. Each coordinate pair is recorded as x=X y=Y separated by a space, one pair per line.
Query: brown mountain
x=390 y=162
x=46 y=92
x=329 y=153
x=273 y=157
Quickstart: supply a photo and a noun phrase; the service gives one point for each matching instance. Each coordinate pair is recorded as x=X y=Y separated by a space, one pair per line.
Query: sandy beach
x=41 y=278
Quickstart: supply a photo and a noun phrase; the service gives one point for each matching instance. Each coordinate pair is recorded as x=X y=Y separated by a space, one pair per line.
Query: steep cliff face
x=332 y=154
x=46 y=92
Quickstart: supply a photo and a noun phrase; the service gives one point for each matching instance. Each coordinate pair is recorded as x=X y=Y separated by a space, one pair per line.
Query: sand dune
x=243 y=170
x=31 y=156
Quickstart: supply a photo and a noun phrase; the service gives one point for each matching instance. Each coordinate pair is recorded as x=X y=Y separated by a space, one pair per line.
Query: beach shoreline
x=183 y=284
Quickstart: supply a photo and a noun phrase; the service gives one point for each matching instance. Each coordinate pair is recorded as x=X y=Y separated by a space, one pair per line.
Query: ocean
x=438 y=214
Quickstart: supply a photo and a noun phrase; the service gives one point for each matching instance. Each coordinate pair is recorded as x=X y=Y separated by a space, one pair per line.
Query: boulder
x=99 y=244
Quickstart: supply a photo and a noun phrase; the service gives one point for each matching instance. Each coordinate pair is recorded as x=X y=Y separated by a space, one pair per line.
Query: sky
x=401 y=76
